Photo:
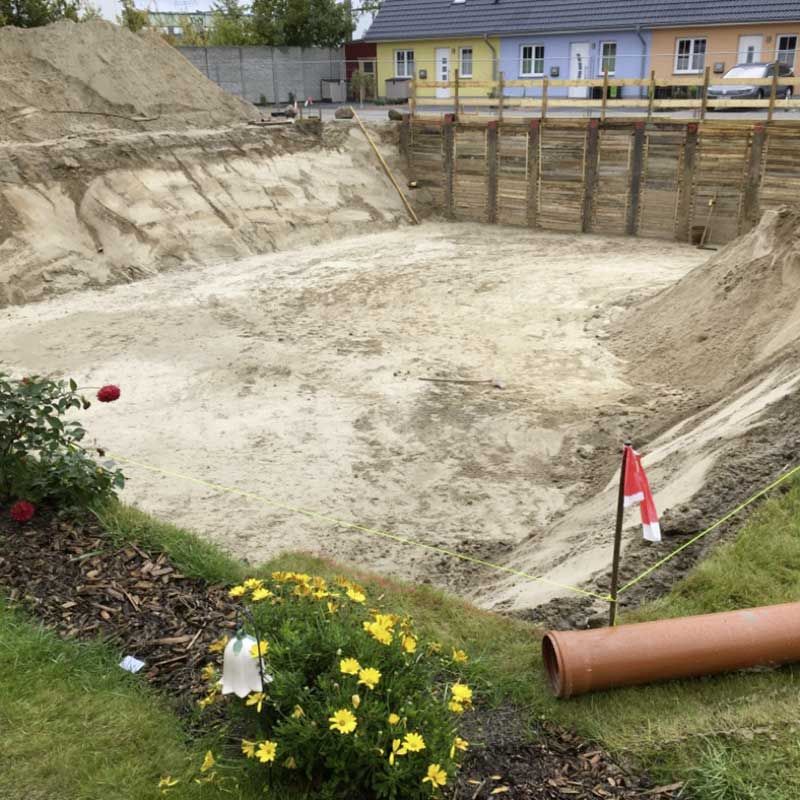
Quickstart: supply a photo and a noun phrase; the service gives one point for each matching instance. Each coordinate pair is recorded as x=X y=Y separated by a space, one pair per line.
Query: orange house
x=687 y=51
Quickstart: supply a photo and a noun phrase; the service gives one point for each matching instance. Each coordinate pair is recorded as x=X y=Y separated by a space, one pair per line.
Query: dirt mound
x=70 y=78
x=728 y=318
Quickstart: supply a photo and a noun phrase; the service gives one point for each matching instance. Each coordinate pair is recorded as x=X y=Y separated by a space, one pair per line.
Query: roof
x=430 y=19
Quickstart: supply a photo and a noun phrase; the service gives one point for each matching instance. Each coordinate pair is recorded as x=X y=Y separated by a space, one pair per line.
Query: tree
x=232 y=26
x=131 y=18
x=301 y=23
x=89 y=12
x=33 y=13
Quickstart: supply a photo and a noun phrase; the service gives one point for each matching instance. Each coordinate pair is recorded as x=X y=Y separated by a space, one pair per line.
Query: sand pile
x=67 y=78
x=731 y=317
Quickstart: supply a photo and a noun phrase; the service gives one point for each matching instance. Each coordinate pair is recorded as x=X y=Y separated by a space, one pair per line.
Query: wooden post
x=635 y=189
x=491 y=178
x=385 y=166
x=412 y=99
x=612 y=616
x=683 y=230
x=750 y=204
x=545 y=84
x=590 y=174
x=704 y=101
x=605 y=95
x=501 y=88
x=651 y=94
x=448 y=132
x=455 y=99
x=405 y=140
x=534 y=139
x=773 y=93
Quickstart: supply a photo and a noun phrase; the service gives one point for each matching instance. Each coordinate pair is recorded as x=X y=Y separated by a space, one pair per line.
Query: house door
x=750 y=49
x=579 y=68
x=443 y=70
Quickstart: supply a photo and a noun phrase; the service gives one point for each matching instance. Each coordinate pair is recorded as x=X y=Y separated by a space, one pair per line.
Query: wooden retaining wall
x=625 y=177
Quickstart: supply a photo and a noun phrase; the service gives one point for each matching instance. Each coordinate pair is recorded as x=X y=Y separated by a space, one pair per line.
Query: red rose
x=22 y=511
x=108 y=394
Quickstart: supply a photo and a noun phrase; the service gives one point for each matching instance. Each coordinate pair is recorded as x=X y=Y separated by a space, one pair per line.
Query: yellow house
x=436 y=60
x=689 y=50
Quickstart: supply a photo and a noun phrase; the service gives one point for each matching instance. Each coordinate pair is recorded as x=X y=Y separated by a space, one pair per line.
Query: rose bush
x=354 y=703
x=42 y=459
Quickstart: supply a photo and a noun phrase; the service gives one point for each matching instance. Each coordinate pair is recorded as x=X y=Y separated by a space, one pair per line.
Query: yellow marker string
x=708 y=530
x=354 y=526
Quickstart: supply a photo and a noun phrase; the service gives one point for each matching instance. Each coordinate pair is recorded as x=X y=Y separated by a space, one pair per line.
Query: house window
x=404 y=63
x=787 y=50
x=465 y=65
x=608 y=59
x=531 y=60
x=690 y=55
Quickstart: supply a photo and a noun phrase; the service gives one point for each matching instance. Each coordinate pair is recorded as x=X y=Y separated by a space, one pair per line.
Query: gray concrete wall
x=273 y=72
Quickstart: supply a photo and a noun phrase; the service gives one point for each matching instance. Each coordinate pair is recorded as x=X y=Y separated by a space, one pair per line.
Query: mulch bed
x=71 y=577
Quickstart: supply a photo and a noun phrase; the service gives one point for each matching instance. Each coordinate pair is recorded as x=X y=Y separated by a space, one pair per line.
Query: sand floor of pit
x=297 y=375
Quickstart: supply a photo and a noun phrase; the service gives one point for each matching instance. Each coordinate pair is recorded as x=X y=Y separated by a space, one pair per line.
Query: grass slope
x=73 y=726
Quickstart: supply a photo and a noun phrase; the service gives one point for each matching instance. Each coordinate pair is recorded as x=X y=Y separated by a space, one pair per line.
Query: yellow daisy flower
x=460 y=657
x=378 y=632
x=461 y=693
x=263 y=646
x=298 y=712
x=208 y=762
x=434 y=647
x=237 y=591
x=436 y=776
x=396 y=751
x=369 y=677
x=332 y=607
x=261 y=594
x=266 y=752
x=349 y=666
x=248 y=748
x=393 y=719
x=343 y=721
x=455 y=707
x=251 y=584
x=458 y=744
x=256 y=699
x=413 y=743
x=409 y=644
x=219 y=645
x=355 y=595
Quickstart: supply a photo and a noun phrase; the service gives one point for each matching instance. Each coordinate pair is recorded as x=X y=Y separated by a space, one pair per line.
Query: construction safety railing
x=777 y=92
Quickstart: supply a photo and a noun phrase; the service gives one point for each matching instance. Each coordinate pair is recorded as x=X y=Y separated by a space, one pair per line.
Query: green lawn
x=73 y=727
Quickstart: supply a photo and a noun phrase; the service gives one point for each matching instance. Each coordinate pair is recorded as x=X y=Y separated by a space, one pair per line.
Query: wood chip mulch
x=71 y=577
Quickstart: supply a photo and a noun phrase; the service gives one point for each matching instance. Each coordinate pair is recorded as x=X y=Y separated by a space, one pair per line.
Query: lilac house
x=580 y=55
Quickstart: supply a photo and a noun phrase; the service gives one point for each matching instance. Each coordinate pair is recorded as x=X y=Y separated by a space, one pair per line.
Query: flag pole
x=612 y=614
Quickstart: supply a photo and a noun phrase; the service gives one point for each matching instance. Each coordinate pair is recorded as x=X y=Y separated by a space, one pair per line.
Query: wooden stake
x=612 y=616
x=455 y=101
x=651 y=94
x=605 y=95
x=704 y=101
x=773 y=93
x=412 y=99
x=545 y=84
x=501 y=87
x=386 y=169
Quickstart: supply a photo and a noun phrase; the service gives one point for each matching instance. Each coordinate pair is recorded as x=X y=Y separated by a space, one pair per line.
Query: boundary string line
x=708 y=530
x=354 y=526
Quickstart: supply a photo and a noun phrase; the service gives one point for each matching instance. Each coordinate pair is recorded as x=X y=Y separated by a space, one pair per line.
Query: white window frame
x=406 y=62
x=692 y=53
x=461 y=71
x=602 y=57
x=533 y=73
x=778 y=47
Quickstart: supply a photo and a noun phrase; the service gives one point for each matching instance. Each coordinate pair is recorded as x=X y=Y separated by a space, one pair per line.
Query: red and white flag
x=637 y=490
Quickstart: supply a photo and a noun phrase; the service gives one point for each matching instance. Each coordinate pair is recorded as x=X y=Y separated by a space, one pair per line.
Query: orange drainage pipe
x=687 y=647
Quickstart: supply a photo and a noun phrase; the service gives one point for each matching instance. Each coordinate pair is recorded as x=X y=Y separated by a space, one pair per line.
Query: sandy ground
x=297 y=376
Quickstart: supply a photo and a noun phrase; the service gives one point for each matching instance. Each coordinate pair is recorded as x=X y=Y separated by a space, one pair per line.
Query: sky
x=110 y=9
